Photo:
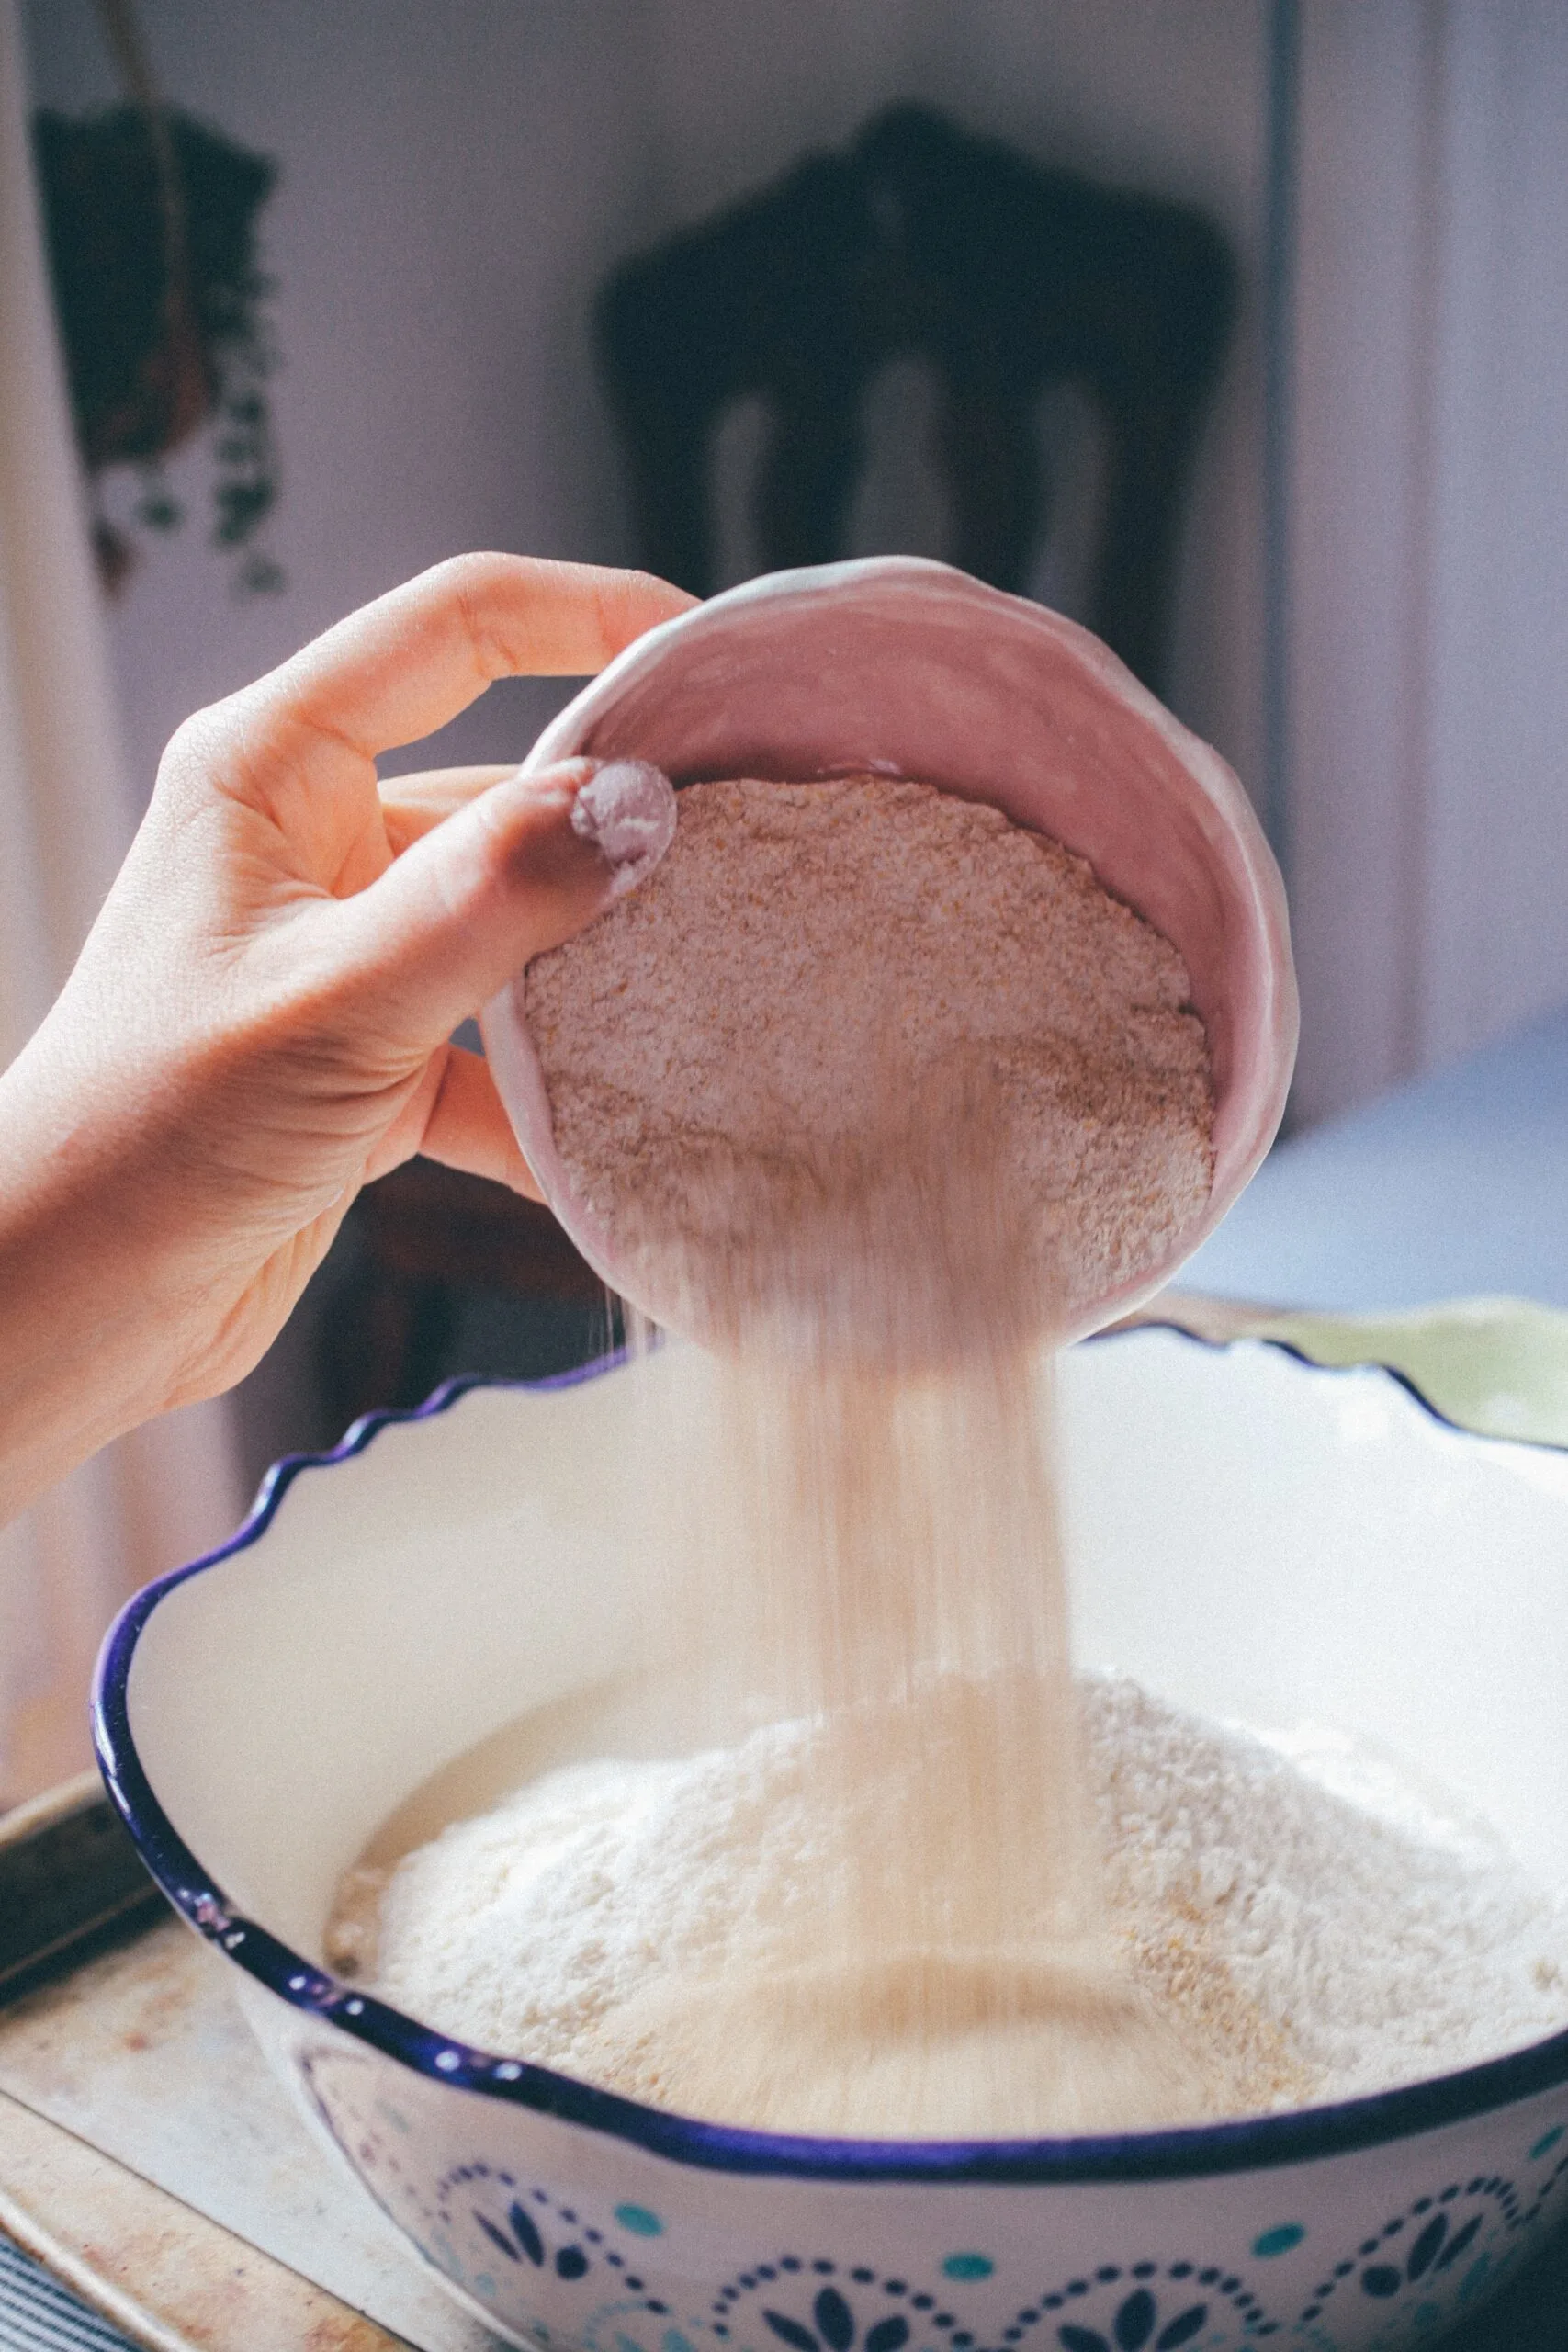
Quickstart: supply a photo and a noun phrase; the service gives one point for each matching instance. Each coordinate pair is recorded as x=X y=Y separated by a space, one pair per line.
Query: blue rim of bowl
x=1301 y=1354
x=1257 y=2143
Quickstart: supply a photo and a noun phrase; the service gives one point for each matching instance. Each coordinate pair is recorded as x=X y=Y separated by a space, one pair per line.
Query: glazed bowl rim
x=1257 y=2143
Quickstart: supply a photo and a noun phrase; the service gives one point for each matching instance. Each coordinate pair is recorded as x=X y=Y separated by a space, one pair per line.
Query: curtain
x=1428 y=823
x=171 y=1490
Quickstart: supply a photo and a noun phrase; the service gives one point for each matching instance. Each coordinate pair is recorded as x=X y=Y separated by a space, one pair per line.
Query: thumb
x=521 y=868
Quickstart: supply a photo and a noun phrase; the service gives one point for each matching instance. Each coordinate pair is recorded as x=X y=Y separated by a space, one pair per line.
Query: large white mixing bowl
x=1251 y=1536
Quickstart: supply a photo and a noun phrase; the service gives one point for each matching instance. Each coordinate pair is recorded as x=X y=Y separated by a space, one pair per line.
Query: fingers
x=468 y=1128
x=471 y=901
x=403 y=666
x=410 y=804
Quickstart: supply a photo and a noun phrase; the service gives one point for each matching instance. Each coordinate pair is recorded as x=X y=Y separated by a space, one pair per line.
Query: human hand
x=258 y=1022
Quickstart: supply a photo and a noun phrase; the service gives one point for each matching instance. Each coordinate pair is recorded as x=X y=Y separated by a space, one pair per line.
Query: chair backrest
x=1004 y=278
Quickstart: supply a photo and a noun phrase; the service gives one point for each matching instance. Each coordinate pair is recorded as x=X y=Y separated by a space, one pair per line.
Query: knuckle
x=474 y=572
x=194 y=741
x=206 y=750
x=478 y=584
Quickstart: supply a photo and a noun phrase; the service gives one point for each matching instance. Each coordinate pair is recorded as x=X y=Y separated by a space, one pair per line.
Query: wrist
x=88 y=1323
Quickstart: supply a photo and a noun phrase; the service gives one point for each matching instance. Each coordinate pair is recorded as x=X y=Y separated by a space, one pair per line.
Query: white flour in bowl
x=1312 y=1947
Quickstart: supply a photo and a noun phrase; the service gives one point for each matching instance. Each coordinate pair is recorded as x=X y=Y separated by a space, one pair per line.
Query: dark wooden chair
x=1005 y=278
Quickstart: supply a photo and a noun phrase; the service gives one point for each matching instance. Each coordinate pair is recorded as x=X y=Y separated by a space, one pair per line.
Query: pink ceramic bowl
x=910 y=668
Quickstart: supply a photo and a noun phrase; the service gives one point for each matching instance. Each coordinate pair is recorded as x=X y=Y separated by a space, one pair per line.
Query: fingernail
x=627 y=810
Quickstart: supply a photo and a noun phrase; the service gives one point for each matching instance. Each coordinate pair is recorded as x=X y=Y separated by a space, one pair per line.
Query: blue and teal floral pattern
x=620 y=2275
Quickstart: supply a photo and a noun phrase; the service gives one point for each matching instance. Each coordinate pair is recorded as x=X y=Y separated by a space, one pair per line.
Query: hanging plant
x=151 y=224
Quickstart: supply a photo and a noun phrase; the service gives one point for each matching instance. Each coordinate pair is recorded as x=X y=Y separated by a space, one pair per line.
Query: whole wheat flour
x=819 y=979
x=1318 y=1948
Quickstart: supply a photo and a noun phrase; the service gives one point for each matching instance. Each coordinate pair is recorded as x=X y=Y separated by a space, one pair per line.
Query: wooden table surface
x=169 y=2278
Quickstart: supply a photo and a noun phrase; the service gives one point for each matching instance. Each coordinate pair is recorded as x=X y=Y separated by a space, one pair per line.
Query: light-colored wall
x=1497 y=867
x=455 y=180
x=1428 y=801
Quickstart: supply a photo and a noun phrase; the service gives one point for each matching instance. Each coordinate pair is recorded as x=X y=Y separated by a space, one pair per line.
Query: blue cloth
x=1454 y=1185
x=37 y=2314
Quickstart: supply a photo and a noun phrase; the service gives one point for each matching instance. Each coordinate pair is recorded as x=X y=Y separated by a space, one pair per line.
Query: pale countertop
x=1454 y=1186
